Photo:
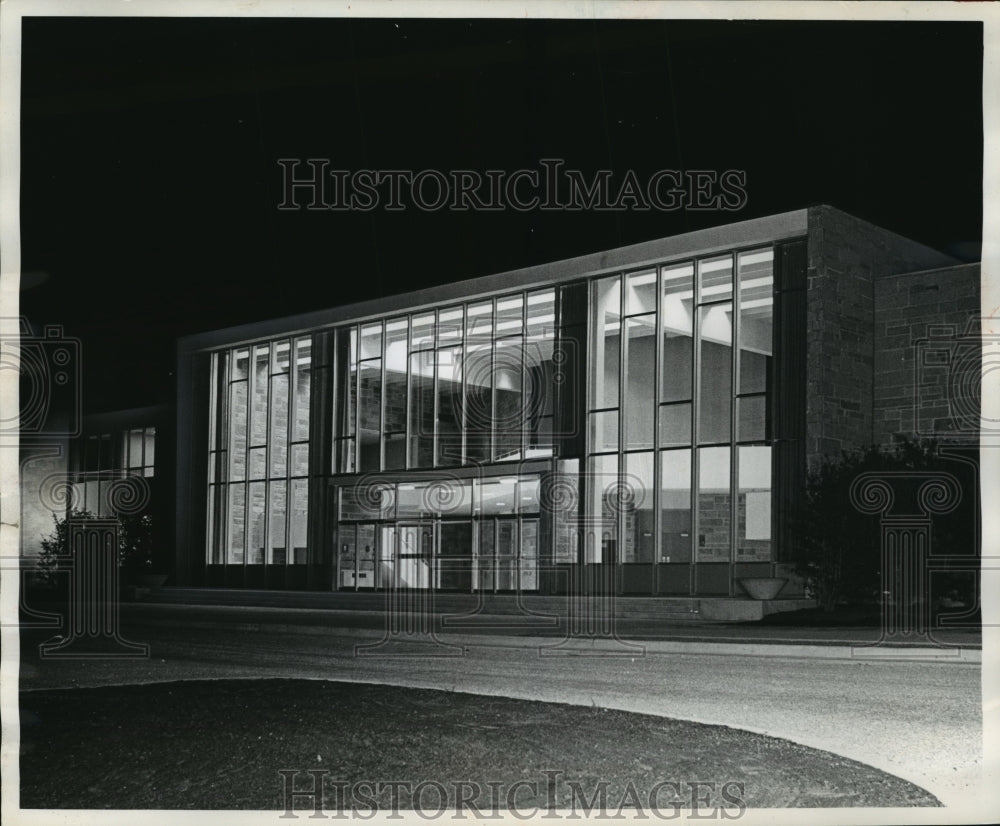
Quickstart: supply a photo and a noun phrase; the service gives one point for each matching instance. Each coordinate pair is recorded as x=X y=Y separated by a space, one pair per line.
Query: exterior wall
x=40 y=467
x=915 y=312
x=846 y=256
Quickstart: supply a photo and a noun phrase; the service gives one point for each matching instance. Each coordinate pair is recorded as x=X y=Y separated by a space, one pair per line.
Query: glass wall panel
x=371 y=341
x=753 y=539
x=450 y=326
x=479 y=321
x=216 y=528
x=675 y=424
x=677 y=323
x=752 y=418
x=370 y=413
x=240 y=364
x=714 y=516
x=258 y=463
x=300 y=460
x=258 y=519
x=421 y=411
x=422 y=332
x=134 y=460
x=528 y=494
x=258 y=409
x=528 y=579
x=675 y=506
x=606 y=324
x=756 y=318
x=412 y=500
x=238 y=431
x=638 y=508
x=601 y=535
x=508 y=408
x=278 y=438
x=604 y=431
x=251 y=522
x=236 y=524
x=506 y=556
x=300 y=521
x=640 y=292
x=486 y=555
x=149 y=439
x=715 y=374
x=496 y=496
x=366 y=555
x=454 y=571
x=396 y=362
x=715 y=279
x=478 y=399
x=639 y=404
x=541 y=312
x=510 y=320
x=303 y=389
x=449 y=406
x=449 y=497
x=395 y=451
x=280 y=356
x=277 y=505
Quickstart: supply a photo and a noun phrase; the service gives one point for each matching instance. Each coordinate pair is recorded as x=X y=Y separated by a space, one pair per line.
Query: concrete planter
x=151 y=580
x=763 y=587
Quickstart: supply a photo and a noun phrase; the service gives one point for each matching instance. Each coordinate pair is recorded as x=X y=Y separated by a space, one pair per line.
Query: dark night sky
x=150 y=180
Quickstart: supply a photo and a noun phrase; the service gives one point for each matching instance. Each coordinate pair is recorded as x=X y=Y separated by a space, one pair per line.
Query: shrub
x=838 y=548
x=135 y=544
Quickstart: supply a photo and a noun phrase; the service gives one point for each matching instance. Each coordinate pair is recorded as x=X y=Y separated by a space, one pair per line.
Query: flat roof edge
x=746 y=233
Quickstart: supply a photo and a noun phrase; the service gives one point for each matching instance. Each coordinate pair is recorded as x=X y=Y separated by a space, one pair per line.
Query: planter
x=151 y=580
x=763 y=587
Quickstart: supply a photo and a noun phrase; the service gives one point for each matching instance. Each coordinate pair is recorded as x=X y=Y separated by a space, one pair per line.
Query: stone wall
x=846 y=256
x=927 y=354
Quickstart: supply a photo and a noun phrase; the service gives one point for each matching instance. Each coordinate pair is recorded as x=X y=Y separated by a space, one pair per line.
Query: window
x=259 y=453
x=703 y=329
x=467 y=384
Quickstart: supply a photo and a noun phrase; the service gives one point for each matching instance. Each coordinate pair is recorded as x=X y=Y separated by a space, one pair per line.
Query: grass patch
x=220 y=744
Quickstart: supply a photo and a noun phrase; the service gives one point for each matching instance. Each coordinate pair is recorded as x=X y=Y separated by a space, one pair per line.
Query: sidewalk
x=505 y=622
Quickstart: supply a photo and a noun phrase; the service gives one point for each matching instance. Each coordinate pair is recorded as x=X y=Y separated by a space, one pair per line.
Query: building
x=640 y=419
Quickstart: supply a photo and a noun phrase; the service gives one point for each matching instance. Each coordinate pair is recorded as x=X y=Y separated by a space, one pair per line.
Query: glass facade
x=679 y=468
x=100 y=459
x=661 y=439
x=460 y=386
x=258 y=457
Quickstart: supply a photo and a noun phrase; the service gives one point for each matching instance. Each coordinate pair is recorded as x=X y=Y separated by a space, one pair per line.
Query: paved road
x=917 y=719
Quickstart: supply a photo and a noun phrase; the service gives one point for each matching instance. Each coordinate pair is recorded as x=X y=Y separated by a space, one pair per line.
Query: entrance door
x=385 y=573
x=415 y=556
x=484 y=561
x=506 y=560
x=454 y=571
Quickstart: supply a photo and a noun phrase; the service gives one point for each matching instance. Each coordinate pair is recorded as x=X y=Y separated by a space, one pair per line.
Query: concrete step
x=651 y=609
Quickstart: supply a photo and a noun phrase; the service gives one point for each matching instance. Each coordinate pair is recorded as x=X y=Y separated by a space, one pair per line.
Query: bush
x=135 y=544
x=838 y=548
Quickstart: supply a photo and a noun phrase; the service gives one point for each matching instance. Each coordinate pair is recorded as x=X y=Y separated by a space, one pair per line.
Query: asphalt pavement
x=914 y=711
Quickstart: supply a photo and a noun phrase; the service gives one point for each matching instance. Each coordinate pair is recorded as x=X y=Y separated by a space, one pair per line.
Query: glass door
x=529 y=555
x=506 y=558
x=385 y=572
x=454 y=571
x=484 y=561
x=415 y=556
